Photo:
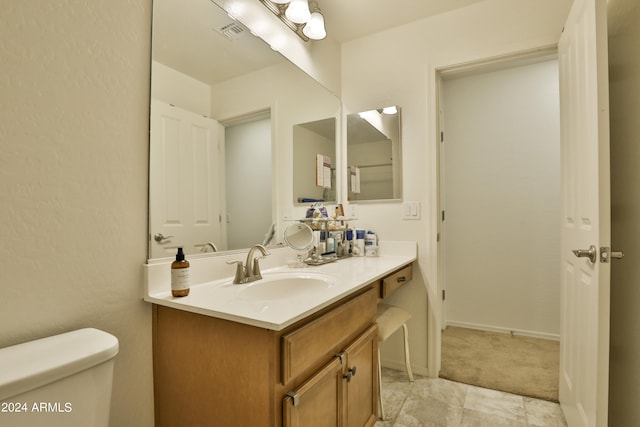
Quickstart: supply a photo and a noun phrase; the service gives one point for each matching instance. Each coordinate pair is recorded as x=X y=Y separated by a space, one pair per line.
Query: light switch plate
x=353 y=211
x=411 y=210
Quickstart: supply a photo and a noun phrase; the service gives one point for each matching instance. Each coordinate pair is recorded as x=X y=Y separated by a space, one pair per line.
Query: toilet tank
x=62 y=380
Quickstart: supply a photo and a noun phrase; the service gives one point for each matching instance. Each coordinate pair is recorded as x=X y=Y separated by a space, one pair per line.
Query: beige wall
x=624 y=95
x=376 y=72
x=73 y=172
x=183 y=91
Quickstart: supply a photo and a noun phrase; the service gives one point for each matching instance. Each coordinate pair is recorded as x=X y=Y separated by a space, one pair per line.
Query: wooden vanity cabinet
x=215 y=372
x=342 y=393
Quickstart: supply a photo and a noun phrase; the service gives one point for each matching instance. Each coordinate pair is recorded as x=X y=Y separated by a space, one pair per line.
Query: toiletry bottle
x=359 y=246
x=180 y=275
x=370 y=244
x=349 y=241
x=331 y=244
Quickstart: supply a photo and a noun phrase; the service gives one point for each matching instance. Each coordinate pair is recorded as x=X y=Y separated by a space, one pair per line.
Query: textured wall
x=74 y=85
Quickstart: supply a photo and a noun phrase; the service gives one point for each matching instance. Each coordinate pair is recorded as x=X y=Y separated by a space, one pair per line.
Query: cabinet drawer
x=318 y=401
x=394 y=281
x=313 y=344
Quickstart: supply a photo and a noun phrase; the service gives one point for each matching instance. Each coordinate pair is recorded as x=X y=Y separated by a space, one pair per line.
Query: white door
x=584 y=116
x=184 y=196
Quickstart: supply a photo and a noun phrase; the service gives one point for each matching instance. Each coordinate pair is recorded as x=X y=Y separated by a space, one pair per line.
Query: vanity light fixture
x=315 y=26
x=389 y=110
x=307 y=22
x=298 y=11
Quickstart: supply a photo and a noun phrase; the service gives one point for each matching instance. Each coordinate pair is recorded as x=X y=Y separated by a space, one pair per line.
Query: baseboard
x=399 y=366
x=543 y=335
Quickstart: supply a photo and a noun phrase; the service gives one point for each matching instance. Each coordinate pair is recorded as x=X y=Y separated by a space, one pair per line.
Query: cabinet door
x=362 y=385
x=319 y=401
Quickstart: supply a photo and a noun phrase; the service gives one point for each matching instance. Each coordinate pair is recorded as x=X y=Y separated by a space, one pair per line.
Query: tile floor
x=438 y=402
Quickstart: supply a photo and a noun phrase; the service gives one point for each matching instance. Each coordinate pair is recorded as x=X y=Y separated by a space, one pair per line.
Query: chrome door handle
x=158 y=237
x=590 y=253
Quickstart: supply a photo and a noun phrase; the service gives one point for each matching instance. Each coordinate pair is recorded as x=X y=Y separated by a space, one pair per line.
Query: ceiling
x=346 y=20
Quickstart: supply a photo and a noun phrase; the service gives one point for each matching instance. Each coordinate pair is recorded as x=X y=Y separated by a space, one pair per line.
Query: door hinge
x=438 y=237
x=442 y=216
x=444 y=296
x=441 y=136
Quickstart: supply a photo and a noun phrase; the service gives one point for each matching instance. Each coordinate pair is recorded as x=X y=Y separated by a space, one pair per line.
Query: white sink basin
x=287 y=286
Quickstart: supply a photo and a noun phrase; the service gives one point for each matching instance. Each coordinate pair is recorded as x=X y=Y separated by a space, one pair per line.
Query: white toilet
x=63 y=380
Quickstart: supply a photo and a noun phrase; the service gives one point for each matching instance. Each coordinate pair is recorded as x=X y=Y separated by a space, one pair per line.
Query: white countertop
x=219 y=298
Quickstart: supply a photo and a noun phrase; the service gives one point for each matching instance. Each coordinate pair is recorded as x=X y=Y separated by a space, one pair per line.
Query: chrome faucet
x=253 y=272
x=209 y=245
x=250 y=272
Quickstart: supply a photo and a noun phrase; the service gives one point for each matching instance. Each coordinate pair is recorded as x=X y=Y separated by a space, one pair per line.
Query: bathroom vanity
x=308 y=363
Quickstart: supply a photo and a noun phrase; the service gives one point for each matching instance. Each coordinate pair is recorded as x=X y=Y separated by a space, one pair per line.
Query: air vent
x=231 y=31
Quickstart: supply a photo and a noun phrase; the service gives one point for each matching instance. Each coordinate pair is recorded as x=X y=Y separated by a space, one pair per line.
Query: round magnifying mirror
x=299 y=236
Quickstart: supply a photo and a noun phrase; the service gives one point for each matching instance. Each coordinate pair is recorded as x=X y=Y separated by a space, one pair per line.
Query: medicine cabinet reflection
x=374 y=162
x=314 y=161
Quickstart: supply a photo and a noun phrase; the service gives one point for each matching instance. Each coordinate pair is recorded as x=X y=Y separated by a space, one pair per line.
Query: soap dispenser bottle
x=180 y=275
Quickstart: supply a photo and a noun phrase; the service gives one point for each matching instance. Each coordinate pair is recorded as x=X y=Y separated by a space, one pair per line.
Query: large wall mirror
x=374 y=158
x=224 y=111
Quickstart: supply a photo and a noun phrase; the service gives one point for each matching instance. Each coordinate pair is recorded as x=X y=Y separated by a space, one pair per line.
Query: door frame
x=471 y=68
x=441 y=72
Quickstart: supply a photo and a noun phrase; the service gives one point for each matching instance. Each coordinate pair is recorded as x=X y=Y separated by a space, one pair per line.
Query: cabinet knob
x=350 y=373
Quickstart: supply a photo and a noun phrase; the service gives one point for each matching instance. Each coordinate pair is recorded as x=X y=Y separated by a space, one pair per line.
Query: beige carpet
x=515 y=364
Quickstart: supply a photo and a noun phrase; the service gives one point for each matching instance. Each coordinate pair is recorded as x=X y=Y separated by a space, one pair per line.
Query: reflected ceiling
x=192 y=40
x=204 y=43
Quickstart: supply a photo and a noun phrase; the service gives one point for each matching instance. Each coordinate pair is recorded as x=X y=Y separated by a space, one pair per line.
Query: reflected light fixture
x=307 y=22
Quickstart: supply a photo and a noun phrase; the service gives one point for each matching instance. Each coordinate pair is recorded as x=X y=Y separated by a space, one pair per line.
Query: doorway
x=248 y=202
x=500 y=196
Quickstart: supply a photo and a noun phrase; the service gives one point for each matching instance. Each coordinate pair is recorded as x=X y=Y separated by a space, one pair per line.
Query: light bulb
x=315 y=27
x=280 y=1
x=298 y=11
x=389 y=110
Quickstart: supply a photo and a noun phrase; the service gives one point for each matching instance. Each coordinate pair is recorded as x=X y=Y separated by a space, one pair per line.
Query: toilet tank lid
x=33 y=364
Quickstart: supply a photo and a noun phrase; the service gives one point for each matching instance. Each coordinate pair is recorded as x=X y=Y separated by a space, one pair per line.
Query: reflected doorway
x=248 y=180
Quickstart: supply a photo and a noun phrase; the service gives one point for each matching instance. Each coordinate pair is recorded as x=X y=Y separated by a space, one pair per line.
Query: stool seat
x=389 y=319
